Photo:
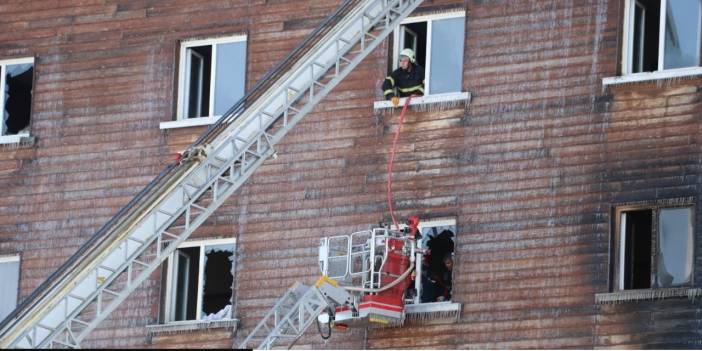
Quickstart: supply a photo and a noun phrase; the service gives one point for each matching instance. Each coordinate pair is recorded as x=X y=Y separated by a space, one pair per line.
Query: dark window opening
x=637 y=261
x=414 y=36
x=218 y=280
x=187 y=261
x=437 y=268
x=18 y=97
x=645 y=36
x=199 y=71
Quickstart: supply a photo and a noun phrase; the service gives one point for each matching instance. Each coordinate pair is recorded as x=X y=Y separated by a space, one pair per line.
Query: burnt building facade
x=558 y=140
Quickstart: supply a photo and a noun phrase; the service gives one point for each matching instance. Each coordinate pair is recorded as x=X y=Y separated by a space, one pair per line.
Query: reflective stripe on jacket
x=405 y=82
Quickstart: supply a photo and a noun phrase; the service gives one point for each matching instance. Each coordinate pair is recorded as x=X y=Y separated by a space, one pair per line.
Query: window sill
x=433 y=313
x=448 y=99
x=22 y=138
x=690 y=72
x=189 y=326
x=646 y=295
x=190 y=122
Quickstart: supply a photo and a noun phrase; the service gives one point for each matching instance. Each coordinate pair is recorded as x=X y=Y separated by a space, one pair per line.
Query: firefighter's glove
x=395 y=101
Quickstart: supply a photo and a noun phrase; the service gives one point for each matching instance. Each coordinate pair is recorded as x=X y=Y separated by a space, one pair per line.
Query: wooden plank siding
x=530 y=169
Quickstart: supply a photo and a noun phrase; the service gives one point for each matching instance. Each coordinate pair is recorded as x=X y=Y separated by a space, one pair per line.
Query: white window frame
x=170 y=275
x=435 y=222
x=9 y=258
x=430 y=20
x=620 y=240
x=10 y=139
x=628 y=48
x=182 y=78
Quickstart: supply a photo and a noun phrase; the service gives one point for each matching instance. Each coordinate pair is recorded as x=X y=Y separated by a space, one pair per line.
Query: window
x=655 y=246
x=662 y=35
x=211 y=76
x=436 y=272
x=199 y=281
x=437 y=41
x=16 y=80
x=9 y=271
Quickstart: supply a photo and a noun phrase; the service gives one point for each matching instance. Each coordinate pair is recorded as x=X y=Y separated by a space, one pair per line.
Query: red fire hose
x=392 y=160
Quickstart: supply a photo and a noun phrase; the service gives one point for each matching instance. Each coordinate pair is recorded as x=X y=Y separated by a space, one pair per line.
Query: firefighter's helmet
x=409 y=53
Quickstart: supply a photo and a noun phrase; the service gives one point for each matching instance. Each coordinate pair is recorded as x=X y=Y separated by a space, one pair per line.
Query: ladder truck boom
x=64 y=309
x=364 y=281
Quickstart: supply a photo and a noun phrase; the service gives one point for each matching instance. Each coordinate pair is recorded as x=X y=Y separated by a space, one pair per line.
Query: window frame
x=427 y=66
x=170 y=274
x=628 y=40
x=182 y=57
x=617 y=276
x=429 y=223
x=13 y=138
x=14 y=258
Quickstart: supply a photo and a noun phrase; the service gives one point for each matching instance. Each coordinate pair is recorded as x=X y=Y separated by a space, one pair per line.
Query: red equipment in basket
x=388 y=306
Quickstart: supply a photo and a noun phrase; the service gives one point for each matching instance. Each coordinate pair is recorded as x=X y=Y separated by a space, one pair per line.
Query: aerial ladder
x=366 y=277
x=101 y=274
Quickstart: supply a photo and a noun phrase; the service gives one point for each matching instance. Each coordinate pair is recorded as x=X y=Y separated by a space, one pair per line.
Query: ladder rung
x=110 y=292
x=165 y=212
x=141 y=242
x=226 y=180
x=198 y=206
x=140 y=263
x=107 y=268
x=76 y=297
x=80 y=322
x=71 y=346
x=171 y=235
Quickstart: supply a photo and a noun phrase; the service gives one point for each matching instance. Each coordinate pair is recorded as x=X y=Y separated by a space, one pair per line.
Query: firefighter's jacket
x=406 y=83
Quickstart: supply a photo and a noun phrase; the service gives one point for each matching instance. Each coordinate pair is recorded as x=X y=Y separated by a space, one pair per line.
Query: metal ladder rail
x=289 y=318
x=32 y=339
x=99 y=241
x=193 y=215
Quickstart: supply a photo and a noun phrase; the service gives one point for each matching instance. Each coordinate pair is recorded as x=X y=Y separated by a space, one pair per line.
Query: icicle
x=652 y=294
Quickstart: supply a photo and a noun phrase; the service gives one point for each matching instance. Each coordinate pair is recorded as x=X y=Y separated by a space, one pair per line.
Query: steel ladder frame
x=228 y=162
x=289 y=318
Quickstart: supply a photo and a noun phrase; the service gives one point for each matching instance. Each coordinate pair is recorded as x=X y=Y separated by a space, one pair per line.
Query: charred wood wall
x=530 y=169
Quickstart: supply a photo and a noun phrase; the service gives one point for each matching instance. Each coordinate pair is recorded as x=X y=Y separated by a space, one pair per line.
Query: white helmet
x=409 y=53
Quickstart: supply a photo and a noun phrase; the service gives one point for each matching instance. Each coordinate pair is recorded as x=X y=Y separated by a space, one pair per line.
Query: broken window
x=200 y=278
x=435 y=274
x=212 y=76
x=662 y=34
x=655 y=246
x=438 y=42
x=16 y=80
x=9 y=271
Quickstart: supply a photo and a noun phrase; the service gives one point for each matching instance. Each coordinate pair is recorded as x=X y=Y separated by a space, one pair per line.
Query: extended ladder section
x=288 y=319
x=124 y=253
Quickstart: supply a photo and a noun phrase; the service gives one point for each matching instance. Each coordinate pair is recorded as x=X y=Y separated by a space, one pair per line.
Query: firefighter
x=407 y=80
